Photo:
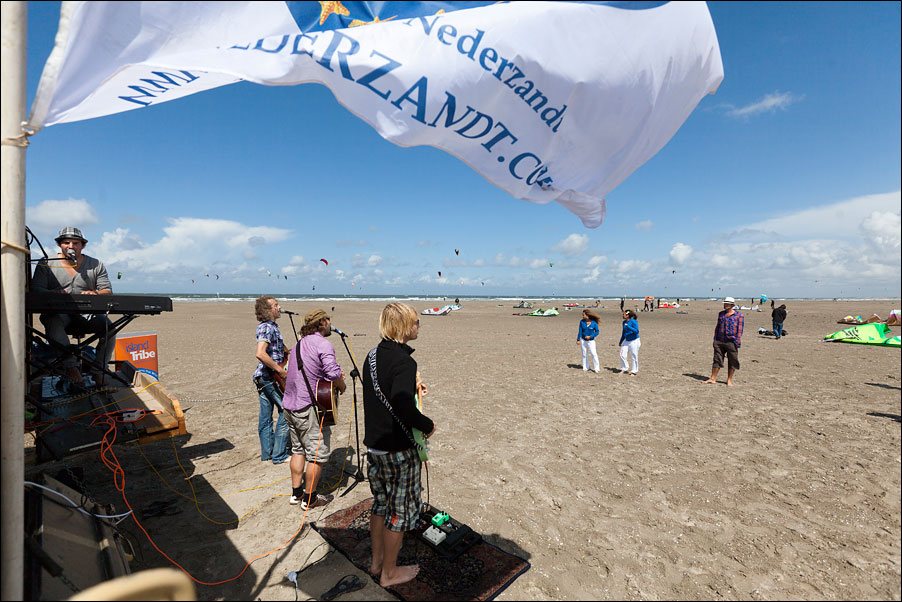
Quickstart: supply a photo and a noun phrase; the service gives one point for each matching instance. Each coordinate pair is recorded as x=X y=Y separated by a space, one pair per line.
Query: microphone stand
x=355 y=374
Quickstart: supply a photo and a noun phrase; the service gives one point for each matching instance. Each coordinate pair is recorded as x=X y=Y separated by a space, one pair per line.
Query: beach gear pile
x=771 y=333
x=866 y=334
x=543 y=313
x=523 y=305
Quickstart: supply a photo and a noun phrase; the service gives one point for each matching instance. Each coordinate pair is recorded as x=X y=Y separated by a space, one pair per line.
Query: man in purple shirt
x=727 y=340
x=309 y=443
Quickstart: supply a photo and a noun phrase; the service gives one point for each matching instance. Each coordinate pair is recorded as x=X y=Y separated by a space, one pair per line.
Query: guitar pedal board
x=447 y=536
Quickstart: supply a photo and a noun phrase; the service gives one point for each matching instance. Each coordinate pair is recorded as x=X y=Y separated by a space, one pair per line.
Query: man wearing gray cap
x=310 y=439
x=727 y=340
x=75 y=273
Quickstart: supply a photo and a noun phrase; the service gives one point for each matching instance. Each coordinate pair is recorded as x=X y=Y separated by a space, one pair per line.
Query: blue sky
x=785 y=182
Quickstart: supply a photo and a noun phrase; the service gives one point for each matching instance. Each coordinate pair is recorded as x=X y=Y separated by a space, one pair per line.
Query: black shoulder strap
x=297 y=354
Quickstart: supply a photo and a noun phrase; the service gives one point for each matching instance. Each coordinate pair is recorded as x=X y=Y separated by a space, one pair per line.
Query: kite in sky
x=324 y=261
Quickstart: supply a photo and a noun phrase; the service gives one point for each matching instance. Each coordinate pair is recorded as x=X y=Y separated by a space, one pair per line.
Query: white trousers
x=630 y=348
x=588 y=348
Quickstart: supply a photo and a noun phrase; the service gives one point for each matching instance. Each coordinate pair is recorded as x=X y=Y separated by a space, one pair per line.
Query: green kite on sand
x=865 y=334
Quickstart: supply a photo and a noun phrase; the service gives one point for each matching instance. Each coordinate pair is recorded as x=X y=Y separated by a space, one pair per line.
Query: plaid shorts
x=395 y=483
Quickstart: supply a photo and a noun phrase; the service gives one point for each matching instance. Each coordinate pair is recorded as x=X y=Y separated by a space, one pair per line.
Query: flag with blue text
x=550 y=101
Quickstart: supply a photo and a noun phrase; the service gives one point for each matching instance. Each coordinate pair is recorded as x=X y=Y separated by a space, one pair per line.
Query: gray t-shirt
x=51 y=276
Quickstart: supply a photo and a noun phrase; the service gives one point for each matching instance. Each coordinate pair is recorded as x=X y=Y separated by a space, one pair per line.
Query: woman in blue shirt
x=629 y=342
x=588 y=330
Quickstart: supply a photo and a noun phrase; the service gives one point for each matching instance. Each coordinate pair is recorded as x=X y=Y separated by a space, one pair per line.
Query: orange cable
x=115 y=467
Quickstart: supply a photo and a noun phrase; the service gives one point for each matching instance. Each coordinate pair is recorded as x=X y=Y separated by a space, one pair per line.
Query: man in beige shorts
x=310 y=443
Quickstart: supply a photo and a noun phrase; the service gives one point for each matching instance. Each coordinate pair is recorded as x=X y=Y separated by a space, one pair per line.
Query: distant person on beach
x=269 y=378
x=310 y=439
x=727 y=340
x=72 y=272
x=629 y=342
x=779 y=316
x=622 y=301
x=771 y=303
x=588 y=331
x=645 y=308
x=393 y=462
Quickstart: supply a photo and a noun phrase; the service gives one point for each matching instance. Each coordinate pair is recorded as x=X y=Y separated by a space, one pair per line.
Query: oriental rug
x=480 y=573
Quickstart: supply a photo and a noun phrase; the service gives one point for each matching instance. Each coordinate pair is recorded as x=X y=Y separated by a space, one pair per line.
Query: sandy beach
x=657 y=486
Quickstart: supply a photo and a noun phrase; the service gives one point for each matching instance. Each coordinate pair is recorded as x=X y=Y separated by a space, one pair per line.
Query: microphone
x=338 y=332
x=71 y=254
x=290 y=313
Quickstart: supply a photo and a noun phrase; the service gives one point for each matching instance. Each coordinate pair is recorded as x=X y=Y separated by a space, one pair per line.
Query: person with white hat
x=727 y=340
x=72 y=272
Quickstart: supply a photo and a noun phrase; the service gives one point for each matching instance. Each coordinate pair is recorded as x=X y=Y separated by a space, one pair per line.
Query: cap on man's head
x=315 y=315
x=729 y=300
x=70 y=232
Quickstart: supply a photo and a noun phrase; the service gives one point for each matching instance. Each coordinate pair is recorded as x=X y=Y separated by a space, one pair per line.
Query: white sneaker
x=294 y=500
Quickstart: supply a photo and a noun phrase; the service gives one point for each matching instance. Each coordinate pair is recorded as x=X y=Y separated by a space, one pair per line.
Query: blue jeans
x=273 y=445
x=778 y=329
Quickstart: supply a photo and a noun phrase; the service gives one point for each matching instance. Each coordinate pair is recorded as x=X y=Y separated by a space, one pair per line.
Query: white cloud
x=630 y=266
x=573 y=245
x=836 y=220
x=187 y=243
x=592 y=275
x=596 y=260
x=680 y=253
x=535 y=264
x=374 y=260
x=770 y=103
x=646 y=225
x=882 y=231
x=50 y=216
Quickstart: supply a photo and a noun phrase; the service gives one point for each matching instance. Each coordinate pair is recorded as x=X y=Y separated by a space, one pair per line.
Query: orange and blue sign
x=139 y=348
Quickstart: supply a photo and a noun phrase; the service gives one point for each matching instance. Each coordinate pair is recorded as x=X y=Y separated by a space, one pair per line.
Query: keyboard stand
x=75 y=351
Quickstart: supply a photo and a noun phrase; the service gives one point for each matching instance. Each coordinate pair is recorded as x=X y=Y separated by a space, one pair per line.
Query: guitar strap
x=371 y=360
x=297 y=354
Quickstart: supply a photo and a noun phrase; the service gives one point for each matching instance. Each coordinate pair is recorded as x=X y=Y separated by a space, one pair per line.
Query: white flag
x=551 y=101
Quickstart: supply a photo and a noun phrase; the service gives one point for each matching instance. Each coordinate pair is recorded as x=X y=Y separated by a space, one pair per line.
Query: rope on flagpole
x=15 y=246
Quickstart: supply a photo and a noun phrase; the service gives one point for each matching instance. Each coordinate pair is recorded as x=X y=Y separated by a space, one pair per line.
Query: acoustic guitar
x=326 y=400
x=423 y=444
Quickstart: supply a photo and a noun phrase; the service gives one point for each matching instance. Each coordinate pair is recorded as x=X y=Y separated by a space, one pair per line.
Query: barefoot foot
x=709 y=381
x=401 y=574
